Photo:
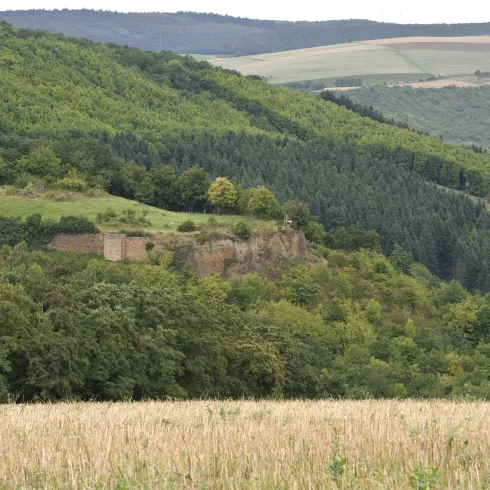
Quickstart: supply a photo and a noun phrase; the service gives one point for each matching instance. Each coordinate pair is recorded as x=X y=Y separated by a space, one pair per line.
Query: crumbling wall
x=211 y=258
x=78 y=243
x=264 y=246
x=112 y=246
x=134 y=248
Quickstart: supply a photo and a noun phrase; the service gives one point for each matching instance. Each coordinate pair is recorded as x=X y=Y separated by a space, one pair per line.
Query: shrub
x=187 y=226
x=29 y=189
x=75 y=225
x=241 y=231
x=72 y=182
x=353 y=239
x=134 y=233
x=106 y=215
x=10 y=190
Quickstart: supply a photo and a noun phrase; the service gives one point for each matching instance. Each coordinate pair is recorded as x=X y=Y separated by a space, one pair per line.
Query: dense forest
x=114 y=117
x=188 y=32
x=456 y=114
x=73 y=326
x=365 y=314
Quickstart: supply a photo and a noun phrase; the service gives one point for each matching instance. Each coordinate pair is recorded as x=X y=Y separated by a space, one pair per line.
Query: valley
x=214 y=273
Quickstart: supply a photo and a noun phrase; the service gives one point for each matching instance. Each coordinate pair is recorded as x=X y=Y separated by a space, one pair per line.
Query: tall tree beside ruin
x=222 y=194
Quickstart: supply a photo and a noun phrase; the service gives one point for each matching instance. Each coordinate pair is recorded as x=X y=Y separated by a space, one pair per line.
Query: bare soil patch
x=442 y=46
x=428 y=39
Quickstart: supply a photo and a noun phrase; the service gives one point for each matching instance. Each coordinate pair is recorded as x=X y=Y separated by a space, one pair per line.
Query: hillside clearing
x=89 y=207
x=242 y=444
x=414 y=57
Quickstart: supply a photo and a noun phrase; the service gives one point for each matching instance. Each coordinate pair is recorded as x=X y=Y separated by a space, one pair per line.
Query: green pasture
x=89 y=207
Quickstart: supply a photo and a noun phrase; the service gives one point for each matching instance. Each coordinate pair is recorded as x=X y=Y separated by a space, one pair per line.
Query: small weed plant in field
x=424 y=478
x=337 y=461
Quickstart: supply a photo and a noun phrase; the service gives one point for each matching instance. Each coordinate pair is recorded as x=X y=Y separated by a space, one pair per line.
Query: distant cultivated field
x=246 y=445
x=416 y=58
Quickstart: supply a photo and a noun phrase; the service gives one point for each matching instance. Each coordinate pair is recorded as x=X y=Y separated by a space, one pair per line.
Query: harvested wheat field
x=242 y=444
x=386 y=60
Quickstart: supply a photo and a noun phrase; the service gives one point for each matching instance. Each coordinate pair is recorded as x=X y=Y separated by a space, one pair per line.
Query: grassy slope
x=89 y=207
x=459 y=115
x=360 y=59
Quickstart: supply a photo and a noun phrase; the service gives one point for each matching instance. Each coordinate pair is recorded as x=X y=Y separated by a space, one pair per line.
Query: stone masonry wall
x=134 y=248
x=264 y=246
x=113 y=247
x=79 y=243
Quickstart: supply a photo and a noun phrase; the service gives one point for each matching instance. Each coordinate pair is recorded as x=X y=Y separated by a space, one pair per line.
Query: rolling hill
x=384 y=60
x=188 y=32
x=111 y=115
x=459 y=115
x=151 y=219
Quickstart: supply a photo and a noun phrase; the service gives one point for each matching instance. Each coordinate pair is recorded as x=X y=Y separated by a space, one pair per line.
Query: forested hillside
x=76 y=327
x=187 y=32
x=456 y=114
x=112 y=116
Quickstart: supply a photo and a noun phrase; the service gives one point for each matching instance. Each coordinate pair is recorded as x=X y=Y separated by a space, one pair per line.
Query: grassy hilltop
x=152 y=219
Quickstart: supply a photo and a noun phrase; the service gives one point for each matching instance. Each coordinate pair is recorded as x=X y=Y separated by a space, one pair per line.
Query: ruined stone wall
x=264 y=246
x=79 y=243
x=113 y=247
x=211 y=258
x=134 y=248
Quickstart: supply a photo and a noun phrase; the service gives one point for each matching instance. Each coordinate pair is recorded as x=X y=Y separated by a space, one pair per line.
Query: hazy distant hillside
x=459 y=115
x=186 y=32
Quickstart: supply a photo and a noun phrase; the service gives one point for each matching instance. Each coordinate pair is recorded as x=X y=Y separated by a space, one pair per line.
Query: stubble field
x=243 y=444
x=383 y=60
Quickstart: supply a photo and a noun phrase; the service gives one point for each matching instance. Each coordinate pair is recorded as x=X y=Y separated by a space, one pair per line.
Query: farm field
x=245 y=444
x=89 y=207
x=414 y=58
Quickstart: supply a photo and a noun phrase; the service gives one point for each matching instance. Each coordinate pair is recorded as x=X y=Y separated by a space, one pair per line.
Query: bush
x=187 y=226
x=137 y=233
x=106 y=215
x=10 y=190
x=72 y=182
x=75 y=225
x=241 y=231
x=29 y=189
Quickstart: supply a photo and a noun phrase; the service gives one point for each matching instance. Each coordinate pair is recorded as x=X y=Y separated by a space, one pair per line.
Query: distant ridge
x=199 y=33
